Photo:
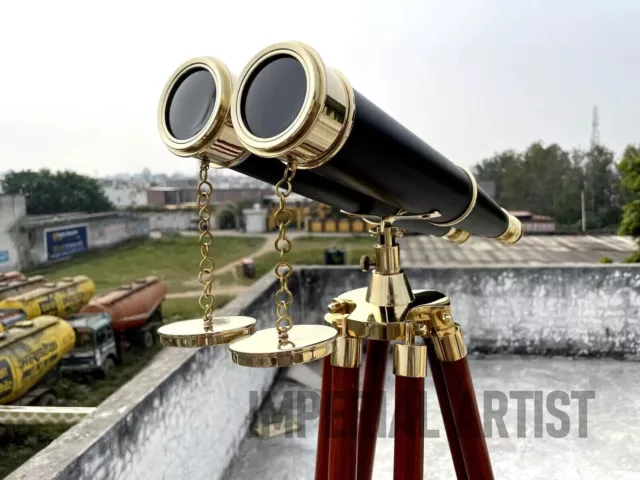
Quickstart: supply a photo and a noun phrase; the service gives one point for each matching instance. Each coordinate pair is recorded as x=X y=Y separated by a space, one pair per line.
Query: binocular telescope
x=287 y=105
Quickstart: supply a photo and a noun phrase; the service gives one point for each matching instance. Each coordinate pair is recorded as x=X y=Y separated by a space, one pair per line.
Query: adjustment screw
x=397 y=232
x=366 y=263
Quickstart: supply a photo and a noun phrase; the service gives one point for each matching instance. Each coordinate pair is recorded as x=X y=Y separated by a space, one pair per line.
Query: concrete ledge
x=185 y=415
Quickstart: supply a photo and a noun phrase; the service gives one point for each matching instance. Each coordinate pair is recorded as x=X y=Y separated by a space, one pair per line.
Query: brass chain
x=283 y=269
x=205 y=276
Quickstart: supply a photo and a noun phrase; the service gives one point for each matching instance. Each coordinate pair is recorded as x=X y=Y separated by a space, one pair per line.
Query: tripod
x=387 y=310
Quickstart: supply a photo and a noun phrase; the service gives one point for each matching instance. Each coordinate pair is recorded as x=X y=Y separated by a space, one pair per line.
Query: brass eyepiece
x=288 y=104
x=513 y=233
x=194 y=113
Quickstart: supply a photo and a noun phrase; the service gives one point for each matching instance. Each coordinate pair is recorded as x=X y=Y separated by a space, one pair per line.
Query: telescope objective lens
x=273 y=96
x=190 y=103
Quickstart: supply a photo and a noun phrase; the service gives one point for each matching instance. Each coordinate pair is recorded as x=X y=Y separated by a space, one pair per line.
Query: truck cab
x=95 y=350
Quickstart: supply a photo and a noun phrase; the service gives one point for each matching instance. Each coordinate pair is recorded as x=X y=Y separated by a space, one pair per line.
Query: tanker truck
x=11 y=288
x=14 y=275
x=60 y=299
x=29 y=354
x=107 y=324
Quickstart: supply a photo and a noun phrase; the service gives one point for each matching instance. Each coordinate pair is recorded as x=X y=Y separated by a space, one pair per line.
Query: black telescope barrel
x=345 y=138
x=323 y=190
x=396 y=166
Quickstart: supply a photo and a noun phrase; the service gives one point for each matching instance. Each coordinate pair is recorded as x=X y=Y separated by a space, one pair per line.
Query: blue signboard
x=4 y=256
x=64 y=242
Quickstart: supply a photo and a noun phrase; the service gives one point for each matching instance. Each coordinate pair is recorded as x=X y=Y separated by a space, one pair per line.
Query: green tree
x=60 y=192
x=629 y=168
x=602 y=188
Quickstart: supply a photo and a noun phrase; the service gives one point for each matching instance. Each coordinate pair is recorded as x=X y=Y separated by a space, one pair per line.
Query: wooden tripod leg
x=408 y=455
x=322 y=455
x=344 y=423
x=467 y=419
x=447 y=412
x=375 y=369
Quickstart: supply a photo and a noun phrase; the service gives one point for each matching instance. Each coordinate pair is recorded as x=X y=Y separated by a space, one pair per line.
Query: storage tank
x=61 y=299
x=14 y=287
x=130 y=306
x=28 y=351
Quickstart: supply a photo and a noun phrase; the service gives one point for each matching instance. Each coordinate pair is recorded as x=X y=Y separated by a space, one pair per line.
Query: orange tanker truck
x=130 y=314
x=11 y=288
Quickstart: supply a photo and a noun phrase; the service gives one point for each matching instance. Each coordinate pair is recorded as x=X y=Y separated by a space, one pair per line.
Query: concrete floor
x=611 y=449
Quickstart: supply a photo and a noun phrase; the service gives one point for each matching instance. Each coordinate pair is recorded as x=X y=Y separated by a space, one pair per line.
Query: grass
x=175 y=258
x=310 y=251
x=175 y=309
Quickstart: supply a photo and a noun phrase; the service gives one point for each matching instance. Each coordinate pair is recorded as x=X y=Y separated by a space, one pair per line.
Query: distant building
x=533 y=223
x=161 y=196
x=125 y=197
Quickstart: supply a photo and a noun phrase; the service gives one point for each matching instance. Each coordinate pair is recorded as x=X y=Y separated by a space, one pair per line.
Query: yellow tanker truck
x=29 y=351
x=60 y=299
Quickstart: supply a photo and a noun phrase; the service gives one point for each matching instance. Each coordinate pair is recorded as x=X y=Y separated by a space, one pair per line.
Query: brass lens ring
x=324 y=121
x=216 y=141
x=472 y=203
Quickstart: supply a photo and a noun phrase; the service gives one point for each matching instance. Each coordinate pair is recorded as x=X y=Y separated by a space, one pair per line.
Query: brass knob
x=366 y=263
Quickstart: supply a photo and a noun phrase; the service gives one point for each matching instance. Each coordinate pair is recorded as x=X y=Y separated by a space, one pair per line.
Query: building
x=125 y=197
x=533 y=223
x=13 y=209
x=161 y=196
x=30 y=240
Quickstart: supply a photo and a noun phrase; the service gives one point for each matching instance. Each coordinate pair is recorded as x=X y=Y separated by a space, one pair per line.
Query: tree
x=549 y=181
x=629 y=168
x=60 y=192
x=602 y=188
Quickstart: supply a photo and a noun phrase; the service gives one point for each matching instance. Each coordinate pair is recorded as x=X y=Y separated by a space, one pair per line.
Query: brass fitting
x=388 y=285
x=347 y=351
x=447 y=336
x=409 y=359
x=457 y=236
x=513 y=233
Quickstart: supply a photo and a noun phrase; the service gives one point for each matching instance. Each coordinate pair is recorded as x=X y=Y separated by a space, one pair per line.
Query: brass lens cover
x=191 y=333
x=305 y=343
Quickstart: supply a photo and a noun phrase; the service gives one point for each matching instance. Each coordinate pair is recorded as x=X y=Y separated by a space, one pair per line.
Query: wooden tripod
x=346 y=442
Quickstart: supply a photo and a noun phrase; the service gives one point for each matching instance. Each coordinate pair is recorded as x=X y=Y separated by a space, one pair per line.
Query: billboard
x=65 y=241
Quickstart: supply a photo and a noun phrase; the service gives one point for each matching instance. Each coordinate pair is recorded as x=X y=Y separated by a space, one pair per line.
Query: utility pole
x=595 y=141
x=584 y=213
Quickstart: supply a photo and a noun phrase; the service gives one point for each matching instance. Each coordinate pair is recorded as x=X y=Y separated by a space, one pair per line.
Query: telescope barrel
x=287 y=104
x=194 y=120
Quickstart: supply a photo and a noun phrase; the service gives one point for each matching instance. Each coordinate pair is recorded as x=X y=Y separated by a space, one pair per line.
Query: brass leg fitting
x=447 y=337
x=409 y=359
x=347 y=351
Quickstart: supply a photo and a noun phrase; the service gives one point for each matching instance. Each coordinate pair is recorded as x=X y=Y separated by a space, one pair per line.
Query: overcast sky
x=80 y=81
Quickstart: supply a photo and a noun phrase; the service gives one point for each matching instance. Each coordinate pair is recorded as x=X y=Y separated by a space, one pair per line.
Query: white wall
x=12 y=209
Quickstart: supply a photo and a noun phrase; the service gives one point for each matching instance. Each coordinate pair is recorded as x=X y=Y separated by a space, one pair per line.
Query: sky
x=80 y=81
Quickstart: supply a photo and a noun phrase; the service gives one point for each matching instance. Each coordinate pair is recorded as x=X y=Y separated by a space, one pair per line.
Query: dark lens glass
x=273 y=96
x=190 y=103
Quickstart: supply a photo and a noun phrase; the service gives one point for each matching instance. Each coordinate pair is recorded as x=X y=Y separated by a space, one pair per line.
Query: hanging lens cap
x=191 y=333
